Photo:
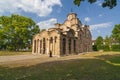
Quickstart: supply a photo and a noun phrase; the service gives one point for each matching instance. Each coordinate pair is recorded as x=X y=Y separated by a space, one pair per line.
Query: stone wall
x=64 y=39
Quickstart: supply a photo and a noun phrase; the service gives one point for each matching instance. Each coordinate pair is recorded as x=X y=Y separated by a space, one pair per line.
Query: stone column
x=53 y=46
x=41 y=46
x=47 y=46
x=58 y=46
x=33 y=47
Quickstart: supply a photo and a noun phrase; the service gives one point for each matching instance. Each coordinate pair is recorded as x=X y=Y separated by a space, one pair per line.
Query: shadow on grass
x=74 y=69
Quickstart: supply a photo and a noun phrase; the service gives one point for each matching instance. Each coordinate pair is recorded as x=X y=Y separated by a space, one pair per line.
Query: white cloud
x=101 y=25
x=87 y=19
x=39 y=7
x=47 y=24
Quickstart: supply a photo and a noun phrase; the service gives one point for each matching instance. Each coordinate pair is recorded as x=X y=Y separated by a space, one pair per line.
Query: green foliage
x=99 y=43
x=109 y=3
x=16 y=32
x=116 y=33
x=115 y=59
x=107 y=40
x=106 y=48
x=106 y=3
x=115 y=47
x=77 y=2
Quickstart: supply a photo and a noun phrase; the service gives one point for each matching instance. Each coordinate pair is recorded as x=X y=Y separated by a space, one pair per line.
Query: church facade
x=63 y=39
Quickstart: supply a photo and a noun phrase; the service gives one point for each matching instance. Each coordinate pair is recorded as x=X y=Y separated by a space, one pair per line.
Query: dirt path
x=30 y=59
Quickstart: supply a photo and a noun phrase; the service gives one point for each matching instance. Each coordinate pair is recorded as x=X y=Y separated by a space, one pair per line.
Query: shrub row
x=106 y=48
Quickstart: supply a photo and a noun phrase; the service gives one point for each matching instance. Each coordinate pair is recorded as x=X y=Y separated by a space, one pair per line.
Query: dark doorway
x=69 y=43
x=64 y=45
x=74 y=46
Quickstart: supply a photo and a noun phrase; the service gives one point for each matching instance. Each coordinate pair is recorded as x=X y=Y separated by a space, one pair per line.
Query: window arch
x=55 y=39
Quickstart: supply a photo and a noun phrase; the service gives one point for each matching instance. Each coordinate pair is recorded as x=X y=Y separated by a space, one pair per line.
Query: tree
x=99 y=43
x=106 y=45
x=107 y=40
x=16 y=31
x=116 y=33
x=105 y=3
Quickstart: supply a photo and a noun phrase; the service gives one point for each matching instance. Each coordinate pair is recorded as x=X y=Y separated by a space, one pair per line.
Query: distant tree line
x=16 y=32
x=111 y=43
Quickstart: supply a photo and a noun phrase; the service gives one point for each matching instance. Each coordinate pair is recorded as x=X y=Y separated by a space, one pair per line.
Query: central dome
x=71 y=16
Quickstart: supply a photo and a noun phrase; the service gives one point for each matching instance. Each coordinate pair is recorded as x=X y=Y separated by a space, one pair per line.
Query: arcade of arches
x=64 y=39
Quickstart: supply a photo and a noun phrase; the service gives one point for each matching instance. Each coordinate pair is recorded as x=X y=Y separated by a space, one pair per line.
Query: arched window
x=55 y=39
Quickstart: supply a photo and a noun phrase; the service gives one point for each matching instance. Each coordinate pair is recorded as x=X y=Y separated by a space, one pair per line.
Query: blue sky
x=47 y=12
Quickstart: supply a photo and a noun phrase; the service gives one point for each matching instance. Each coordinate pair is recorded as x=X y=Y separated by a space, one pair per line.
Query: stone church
x=63 y=39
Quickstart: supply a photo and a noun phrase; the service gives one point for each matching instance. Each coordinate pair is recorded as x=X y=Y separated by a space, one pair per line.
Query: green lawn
x=8 y=53
x=79 y=69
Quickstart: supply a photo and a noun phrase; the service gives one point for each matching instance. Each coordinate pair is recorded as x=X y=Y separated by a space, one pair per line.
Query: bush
x=102 y=47
x=106 y=48
x=115 y=47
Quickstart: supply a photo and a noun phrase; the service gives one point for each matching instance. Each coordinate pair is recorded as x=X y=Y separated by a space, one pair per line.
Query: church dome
x=71 y=16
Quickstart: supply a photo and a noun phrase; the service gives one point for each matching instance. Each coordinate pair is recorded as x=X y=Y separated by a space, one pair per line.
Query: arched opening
x=69 y=43
x=64 y=45
x=44 y=45
x=55 y=39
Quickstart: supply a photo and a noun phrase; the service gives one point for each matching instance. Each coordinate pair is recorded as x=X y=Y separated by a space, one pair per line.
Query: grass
x=8 y=53
x=115 y=59
x=77 y=69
